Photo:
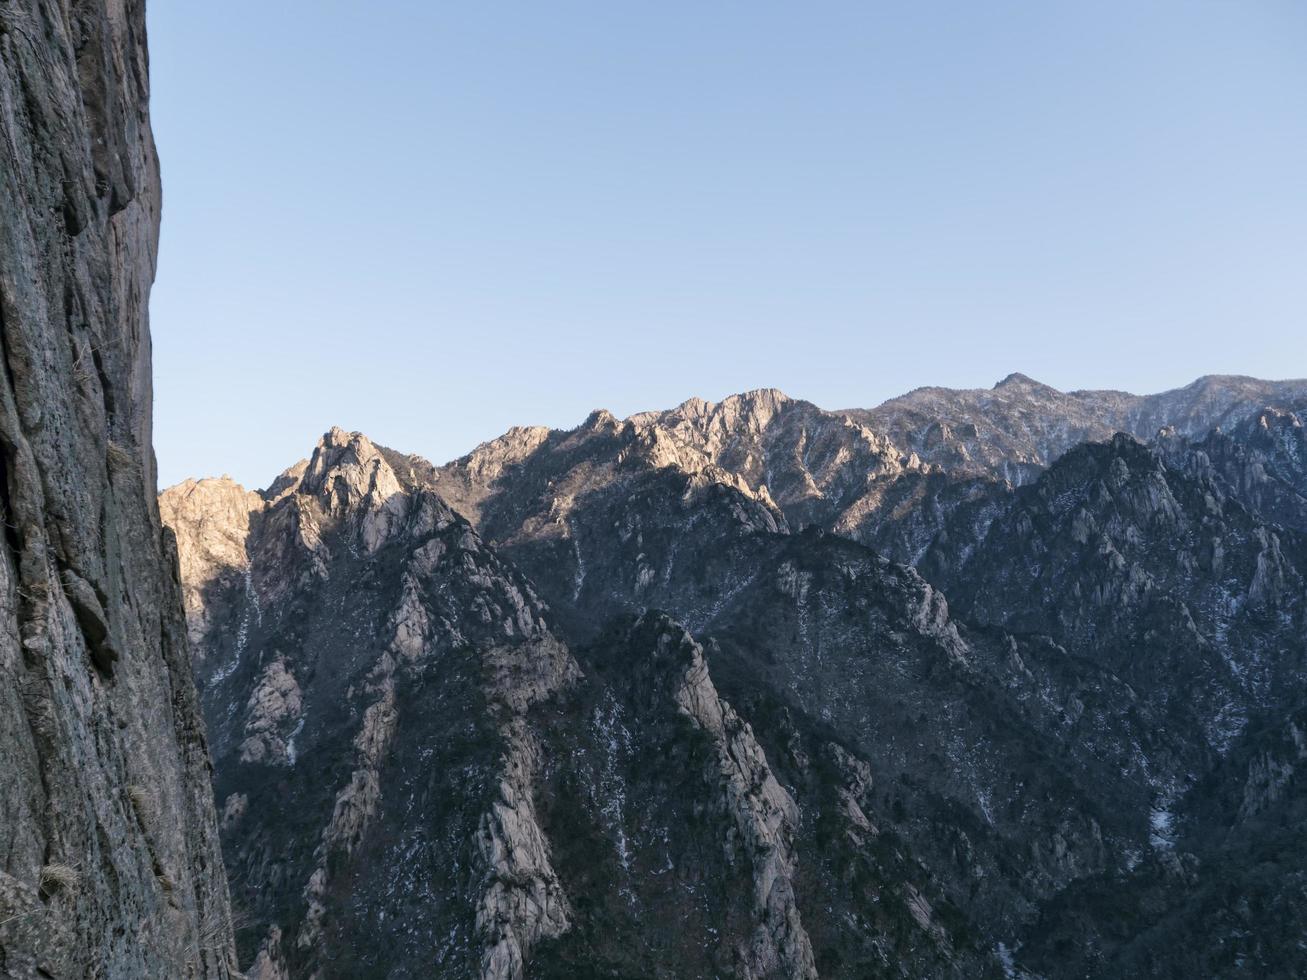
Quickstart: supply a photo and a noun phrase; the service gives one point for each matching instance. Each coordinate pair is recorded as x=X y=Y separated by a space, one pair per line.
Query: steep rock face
x=109 y=864
x=367 y=675
x=703 y=836
x=762 y=812
x=211 y=519
x=691 y=848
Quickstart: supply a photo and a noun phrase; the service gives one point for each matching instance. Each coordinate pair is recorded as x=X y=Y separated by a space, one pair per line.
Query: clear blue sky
x=432 y=220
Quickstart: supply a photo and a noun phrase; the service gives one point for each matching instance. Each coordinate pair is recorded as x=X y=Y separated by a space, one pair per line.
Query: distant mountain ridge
x=1020 y=426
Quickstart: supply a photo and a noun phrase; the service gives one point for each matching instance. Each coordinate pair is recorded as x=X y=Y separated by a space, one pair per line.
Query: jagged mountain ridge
x=1017 y=428
x=1261 y=461
x=361 y=652
x=897 y=478
x=984 y=837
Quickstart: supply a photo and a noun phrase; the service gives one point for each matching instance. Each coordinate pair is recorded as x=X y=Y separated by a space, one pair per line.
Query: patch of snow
x=1006 y=961
x=1162 y=824
x=615 y=741
x=579 y=581
x=290 y=742
x=242 y=631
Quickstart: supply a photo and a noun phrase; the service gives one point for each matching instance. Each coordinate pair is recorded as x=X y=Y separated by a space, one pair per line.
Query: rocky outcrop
x=523 y=901
x=676 y=841
x=764 y=815
x=371 y=635
x=271 y=716
x=1261 y=462
x=109 y=864
x=211 y=520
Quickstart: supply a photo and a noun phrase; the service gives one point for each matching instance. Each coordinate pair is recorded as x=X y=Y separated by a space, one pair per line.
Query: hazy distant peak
x=1018 y=380
x=694 y=405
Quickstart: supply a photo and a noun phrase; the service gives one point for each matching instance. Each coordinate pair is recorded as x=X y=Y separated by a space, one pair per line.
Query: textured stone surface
x=109 y=865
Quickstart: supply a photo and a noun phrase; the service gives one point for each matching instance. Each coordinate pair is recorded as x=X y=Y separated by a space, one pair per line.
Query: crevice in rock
x=13 y=542
x=8 y=451
x=106 y=389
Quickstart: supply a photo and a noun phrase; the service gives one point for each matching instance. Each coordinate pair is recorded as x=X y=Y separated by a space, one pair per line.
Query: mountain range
x=974 y=683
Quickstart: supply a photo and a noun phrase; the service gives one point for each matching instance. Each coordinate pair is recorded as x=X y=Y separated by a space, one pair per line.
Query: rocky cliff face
x=672 y=832
x=368 y=666
x=1261 y=462
x=643 y=698
x=109 y=864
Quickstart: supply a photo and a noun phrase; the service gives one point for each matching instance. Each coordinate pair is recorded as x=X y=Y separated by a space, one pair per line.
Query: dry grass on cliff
x=143 y=803
x=120 y=459
x=58 y=877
